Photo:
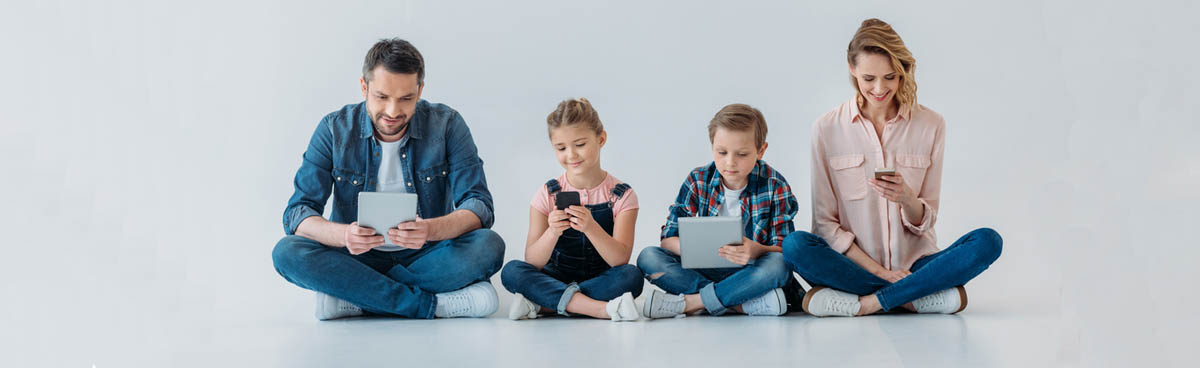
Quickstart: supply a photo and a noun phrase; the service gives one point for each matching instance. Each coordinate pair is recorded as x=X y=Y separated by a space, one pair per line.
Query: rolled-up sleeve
x=468 y=185
x=785 y=208
x=931 y=186
x=826 y=219
x=686 y=203
x=314 y=180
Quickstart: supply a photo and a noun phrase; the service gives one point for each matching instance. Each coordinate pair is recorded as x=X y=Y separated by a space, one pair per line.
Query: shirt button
x=355 y=182
x=443 y=173
x=403 y=155
x=339 y=178
x=410 y=183
x=428 y=178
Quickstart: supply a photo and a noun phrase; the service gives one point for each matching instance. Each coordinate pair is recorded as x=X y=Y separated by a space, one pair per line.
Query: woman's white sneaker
x=522 y=308
x=622 y=309
x=477 y=300
x=949 y=301
x=826 y=302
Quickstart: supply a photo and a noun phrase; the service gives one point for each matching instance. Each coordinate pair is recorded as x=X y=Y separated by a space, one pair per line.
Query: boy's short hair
x=740 y=118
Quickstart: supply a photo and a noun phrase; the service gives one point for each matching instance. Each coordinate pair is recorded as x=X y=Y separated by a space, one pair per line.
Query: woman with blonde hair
x=876 y=182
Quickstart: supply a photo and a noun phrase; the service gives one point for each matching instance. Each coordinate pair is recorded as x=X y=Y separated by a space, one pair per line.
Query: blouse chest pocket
x=849 y=179
x=912 y=167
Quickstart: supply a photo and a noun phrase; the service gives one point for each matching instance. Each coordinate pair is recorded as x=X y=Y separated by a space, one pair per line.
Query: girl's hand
x=742 y=254
x=893 y=188
x=558 y=222
x=581 y=219
x=892 y=276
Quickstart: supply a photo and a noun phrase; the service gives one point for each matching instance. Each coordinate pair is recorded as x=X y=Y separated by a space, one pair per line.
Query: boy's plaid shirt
x=768 y=205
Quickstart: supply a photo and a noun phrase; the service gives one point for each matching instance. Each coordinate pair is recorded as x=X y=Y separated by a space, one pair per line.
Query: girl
x=873 y=253
x=576 y=259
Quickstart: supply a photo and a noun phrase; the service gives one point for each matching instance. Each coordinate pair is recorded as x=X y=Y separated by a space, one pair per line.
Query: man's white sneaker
x=522 y=308
x=824 y=302
x=949 y=301
x=662 y=305
x=623 y=308
x=477 y=300
x=773 y=303
x=329 y=307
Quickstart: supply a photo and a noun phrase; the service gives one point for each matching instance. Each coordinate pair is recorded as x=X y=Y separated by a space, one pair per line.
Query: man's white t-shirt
x=391 y=179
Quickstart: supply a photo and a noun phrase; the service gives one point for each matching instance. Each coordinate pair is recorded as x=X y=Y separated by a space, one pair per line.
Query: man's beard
x=384 y=130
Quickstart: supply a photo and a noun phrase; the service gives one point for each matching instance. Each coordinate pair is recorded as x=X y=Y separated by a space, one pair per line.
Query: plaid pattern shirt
x=768 y=205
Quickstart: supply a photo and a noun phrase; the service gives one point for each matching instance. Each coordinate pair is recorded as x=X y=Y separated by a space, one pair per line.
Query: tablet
x=383 y=210
x=700 y=237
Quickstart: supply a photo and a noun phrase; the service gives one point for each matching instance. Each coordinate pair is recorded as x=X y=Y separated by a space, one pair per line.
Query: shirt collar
x=758 y=173
x=856 y=113
x=414 y=124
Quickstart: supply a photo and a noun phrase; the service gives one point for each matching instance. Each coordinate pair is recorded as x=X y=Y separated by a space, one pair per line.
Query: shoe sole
x=962 y=298
x=782 y=302
x=808 y=297
x=646 y=304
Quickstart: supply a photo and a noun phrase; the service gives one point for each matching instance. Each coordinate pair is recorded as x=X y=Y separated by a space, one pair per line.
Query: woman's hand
x=581 y=219
x=892 y=276
x=744 y=253
x=893 y=188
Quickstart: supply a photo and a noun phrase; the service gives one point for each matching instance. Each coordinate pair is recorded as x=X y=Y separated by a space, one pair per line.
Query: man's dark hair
x=397 y=56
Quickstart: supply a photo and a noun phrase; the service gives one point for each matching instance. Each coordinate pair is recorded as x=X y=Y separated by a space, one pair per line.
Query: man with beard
x=392 y=142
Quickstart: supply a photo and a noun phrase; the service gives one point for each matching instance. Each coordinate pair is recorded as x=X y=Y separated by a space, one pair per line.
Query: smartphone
x=880 y=173
x=562 y=200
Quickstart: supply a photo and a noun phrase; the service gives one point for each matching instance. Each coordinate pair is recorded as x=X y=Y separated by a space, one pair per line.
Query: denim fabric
x=437 y=155
x=820 y=265
x=719 y=288
x=401 y=283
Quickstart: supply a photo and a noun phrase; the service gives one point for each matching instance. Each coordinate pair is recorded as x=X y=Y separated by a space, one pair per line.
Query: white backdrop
x=148 y=148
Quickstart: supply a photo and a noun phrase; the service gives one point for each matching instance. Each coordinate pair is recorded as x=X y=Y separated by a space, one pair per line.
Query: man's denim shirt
x=437 y=155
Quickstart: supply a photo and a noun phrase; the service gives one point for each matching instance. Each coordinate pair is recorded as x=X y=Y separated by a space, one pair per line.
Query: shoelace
x=671 y=305
x=845 y=306
x=345 y=306
x=458 y=304
x=934 y=300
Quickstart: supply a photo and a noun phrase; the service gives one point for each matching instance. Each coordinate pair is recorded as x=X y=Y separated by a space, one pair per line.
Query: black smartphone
x=562 y=200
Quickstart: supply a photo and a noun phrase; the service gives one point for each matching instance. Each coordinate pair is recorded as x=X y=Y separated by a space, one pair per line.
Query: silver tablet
x=382 y=210
x=700 y=237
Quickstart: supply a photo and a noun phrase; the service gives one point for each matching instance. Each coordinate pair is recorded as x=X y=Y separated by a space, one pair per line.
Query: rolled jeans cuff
x=572 y=288
x=708 y=295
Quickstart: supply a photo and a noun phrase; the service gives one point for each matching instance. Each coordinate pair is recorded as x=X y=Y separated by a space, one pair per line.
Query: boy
x=736 y=183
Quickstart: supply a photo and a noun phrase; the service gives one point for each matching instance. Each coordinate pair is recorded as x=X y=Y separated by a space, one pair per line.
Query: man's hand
x=411 y=235
x=360 y=239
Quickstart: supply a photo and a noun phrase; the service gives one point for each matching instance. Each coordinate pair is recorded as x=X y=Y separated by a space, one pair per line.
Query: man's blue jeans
x=401 y=283
x=719 y=288
x=820 y=265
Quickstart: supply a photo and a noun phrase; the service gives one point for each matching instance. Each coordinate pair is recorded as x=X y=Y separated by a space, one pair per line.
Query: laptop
x=700 y=237
x=384 y=210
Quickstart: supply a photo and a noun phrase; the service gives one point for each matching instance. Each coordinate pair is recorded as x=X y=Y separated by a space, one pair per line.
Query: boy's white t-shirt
x=732 y=204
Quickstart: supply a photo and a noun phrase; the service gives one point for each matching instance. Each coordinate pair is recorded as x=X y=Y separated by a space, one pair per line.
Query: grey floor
x=276 y=328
